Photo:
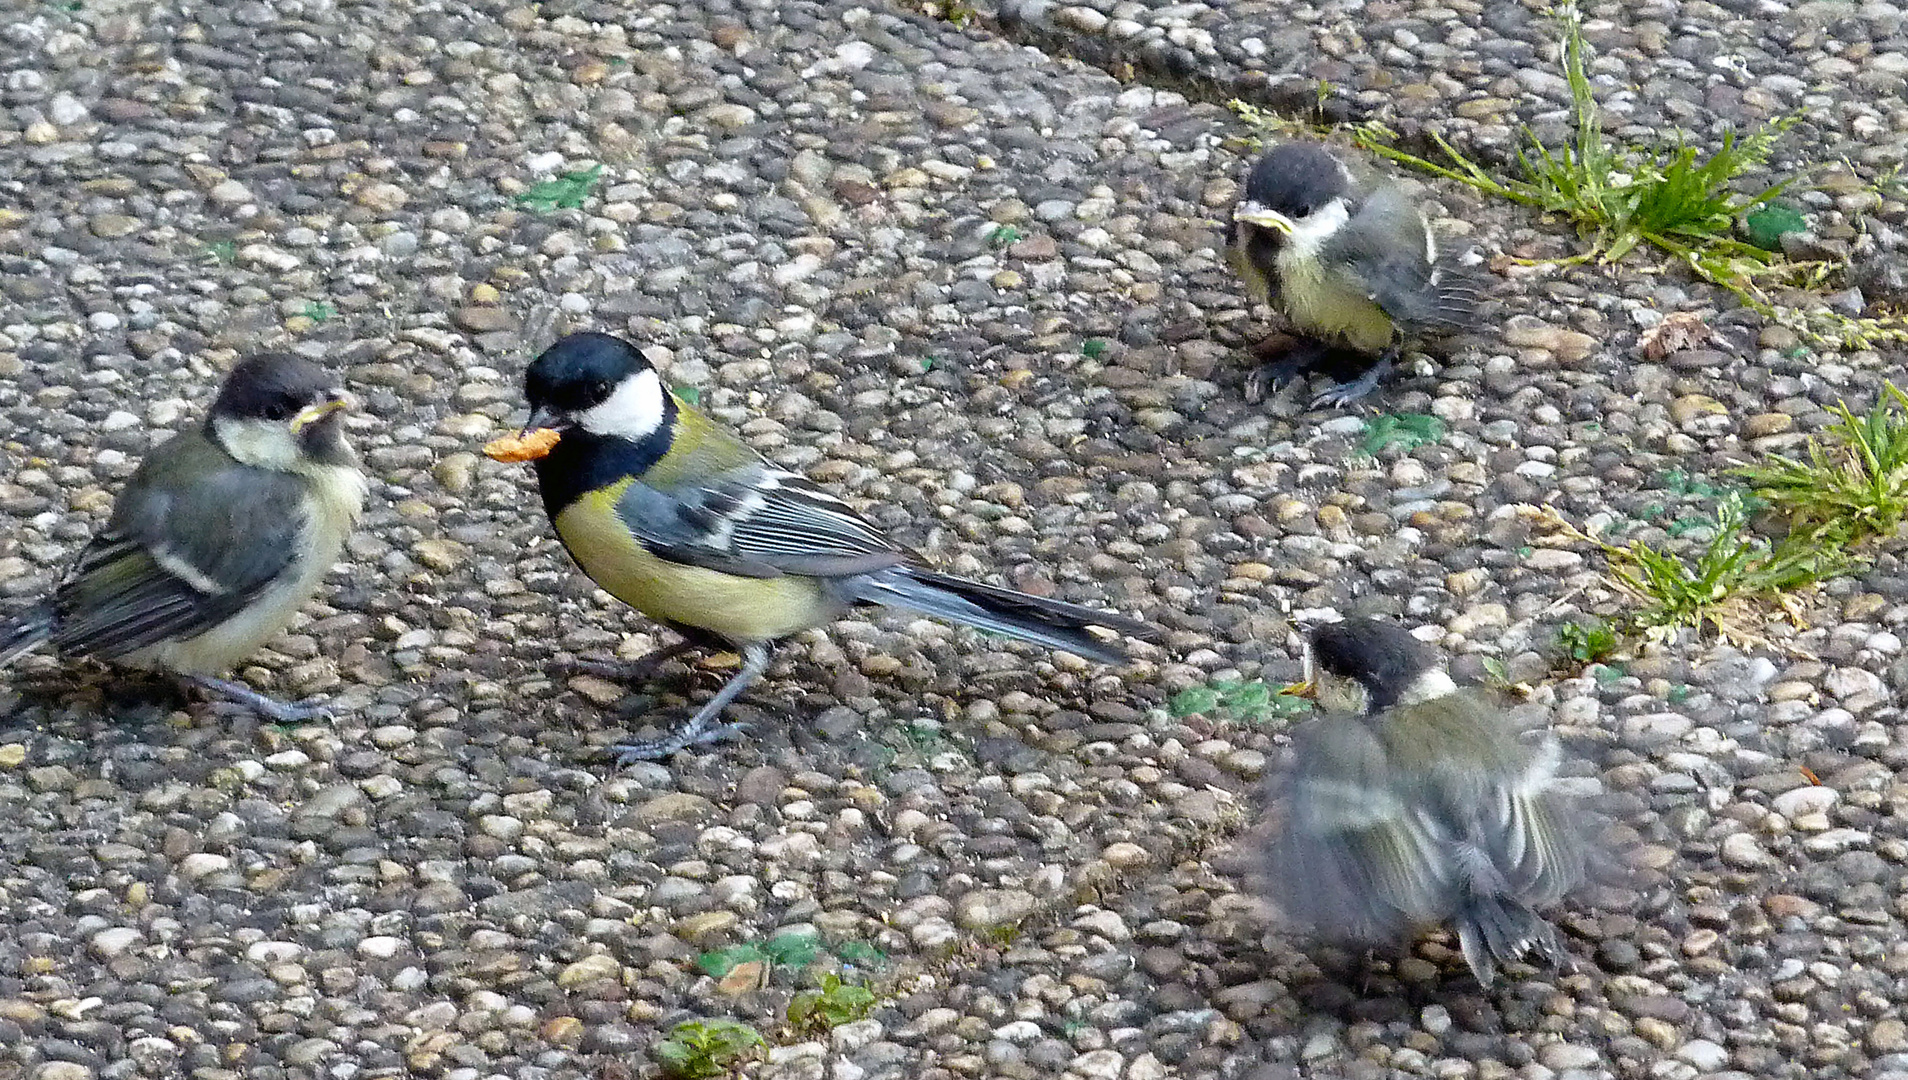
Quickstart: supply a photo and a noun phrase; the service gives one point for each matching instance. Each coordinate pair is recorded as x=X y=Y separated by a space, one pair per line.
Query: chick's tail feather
x=25 y=632
x=1053 y=623
x=1494 y=929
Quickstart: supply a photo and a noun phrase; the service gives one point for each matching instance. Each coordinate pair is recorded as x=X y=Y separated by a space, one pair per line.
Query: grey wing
x=1406 y=279
x=757 y=521
x=186 y=549
x=1353 y=858
x=1533 y=835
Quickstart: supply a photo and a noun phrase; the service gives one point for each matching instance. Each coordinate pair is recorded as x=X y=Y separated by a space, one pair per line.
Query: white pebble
x=1813 y=799
x=1706 y=1056
x=380 y=947
x=203 y=863
x=1098 y=1065
x=273 y=952
x=114 y=941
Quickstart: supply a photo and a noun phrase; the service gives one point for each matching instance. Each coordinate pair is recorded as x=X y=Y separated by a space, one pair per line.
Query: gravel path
x=972 y=287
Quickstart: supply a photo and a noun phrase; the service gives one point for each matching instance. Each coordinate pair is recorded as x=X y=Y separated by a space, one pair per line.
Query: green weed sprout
x=697 y=1049
x=1853 y=486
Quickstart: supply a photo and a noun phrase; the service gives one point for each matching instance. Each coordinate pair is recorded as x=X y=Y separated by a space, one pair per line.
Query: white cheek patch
x=633 y=411
x=1429 y=686
x=259 y=443
x=1311 y=231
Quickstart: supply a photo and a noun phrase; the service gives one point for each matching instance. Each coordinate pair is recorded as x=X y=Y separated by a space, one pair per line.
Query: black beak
x=544 y=417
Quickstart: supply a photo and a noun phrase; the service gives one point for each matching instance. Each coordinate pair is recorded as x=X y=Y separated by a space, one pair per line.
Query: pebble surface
x=972 y=287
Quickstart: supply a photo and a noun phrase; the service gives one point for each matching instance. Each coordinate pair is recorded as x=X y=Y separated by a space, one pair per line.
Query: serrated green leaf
x=1411 y=430
x=1251 y=695
x=566 y=192
x=860 y=952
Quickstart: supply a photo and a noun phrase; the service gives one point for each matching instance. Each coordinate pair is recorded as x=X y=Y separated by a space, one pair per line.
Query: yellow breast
x=1323 y=306
x=738 y=608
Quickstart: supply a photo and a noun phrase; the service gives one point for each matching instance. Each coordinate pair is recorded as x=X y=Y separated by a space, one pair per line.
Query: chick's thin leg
x=755 y=660
x=272 y=709
x=1345 y=393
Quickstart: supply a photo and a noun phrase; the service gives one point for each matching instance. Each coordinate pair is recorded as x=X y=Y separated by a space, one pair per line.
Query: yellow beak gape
x=311 y=414
x=1306 y=687
x=1254 y=214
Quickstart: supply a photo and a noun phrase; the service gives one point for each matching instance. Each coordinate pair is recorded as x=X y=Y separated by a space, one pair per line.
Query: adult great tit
x=1355 y=271
x=679 y=519
x=220 y=536
x=1412 y=803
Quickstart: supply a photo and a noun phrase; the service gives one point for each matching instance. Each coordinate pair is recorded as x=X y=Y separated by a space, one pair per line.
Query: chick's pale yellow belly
x=739 y=608
x=1323 y=306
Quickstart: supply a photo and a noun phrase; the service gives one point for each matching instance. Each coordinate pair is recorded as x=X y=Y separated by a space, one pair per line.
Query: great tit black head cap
x=597 y=382
x=278 y=386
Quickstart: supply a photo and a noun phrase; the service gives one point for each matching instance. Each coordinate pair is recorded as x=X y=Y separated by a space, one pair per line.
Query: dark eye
x=281 y=409
x=601 y=390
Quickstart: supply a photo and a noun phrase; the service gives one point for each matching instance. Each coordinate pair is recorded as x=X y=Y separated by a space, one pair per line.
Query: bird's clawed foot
x=267 y=707
x=697 y=732
x=1340 y=395
x=701 y=728
x=1283 y=363
x=1268 y=378
x=1358 y=374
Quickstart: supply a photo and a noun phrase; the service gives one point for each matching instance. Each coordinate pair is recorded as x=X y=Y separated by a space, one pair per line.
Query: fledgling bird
x=679 y=519
x=1411 y=803
x=1354 y=269
x=221 y=535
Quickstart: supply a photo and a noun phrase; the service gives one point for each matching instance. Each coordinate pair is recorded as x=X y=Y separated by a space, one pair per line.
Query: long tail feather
x=1493 y=929
x=1053 y=623
x=25 y=632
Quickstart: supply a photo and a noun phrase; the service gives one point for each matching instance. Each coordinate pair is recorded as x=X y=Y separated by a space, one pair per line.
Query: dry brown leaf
x=1678 y=331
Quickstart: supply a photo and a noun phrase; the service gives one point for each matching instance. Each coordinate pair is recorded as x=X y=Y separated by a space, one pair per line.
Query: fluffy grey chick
x=1411 y=803
x=1354 y=269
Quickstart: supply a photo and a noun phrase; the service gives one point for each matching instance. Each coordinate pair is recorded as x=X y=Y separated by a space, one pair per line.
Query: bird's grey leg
x=1344 y=394
x=272 y=709
x=755 y=660
x=635 y=670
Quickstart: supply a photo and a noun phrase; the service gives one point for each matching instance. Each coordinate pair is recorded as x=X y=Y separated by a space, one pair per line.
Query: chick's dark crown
x=1296 y=179
x=580 y=372
x=1382 y=657
x=272 y=386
